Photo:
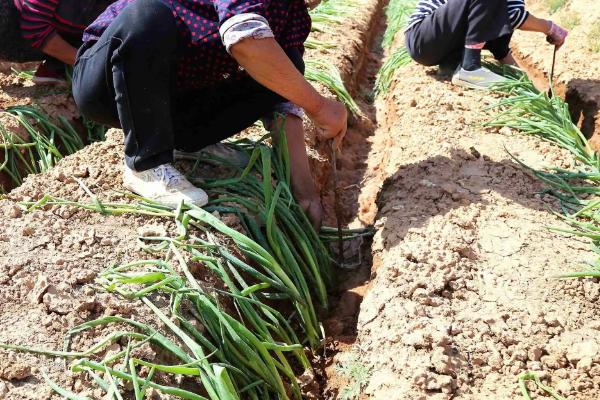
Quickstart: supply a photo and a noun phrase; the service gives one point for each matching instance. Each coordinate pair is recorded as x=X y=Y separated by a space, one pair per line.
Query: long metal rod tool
x=337 y=205
x=551 y=90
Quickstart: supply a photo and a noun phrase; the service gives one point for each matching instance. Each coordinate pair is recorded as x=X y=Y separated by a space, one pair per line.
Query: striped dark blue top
x=40 y=19
x=516 y=11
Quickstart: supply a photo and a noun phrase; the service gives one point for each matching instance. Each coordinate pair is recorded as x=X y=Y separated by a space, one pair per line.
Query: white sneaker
x=482 y=78
x=218 y=150
x=165 y=185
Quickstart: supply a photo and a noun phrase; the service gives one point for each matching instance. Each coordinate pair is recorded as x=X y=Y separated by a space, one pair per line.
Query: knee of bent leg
x=149 y=23
x=421 y=58
x=421 y=51
x=92 y=96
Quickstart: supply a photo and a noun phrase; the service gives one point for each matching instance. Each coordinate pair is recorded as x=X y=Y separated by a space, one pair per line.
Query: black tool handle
x=551 y=90
x=338 y=206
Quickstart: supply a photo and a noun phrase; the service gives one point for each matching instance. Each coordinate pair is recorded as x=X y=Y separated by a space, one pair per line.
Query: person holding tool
x=452 y=33
x=45 y=30
x=180 y=75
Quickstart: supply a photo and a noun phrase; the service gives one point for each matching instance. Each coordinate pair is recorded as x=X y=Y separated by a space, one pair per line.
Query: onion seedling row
x=533 y=112
x=331 y=12
x=46 y=142
x=397 y=14
x=398 y=59
x=246 y=347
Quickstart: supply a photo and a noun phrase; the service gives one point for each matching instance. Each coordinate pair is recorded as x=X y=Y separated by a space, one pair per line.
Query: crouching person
x=45 y=30
x=181 y=75
x=452 y=33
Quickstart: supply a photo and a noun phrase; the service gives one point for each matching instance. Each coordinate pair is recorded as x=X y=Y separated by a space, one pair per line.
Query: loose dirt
x=50 y=259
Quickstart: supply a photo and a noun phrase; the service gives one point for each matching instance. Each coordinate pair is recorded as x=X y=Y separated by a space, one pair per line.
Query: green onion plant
x=46 y=142
x=398 y=59
x=25 y=74
x=243 y=332
x=312 y=43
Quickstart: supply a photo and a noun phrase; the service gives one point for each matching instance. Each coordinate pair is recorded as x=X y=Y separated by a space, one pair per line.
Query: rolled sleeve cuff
x=244 y=26
x=285 y=108
x=289 y=108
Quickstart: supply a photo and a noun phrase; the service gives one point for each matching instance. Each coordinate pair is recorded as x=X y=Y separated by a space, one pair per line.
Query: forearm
x=535 y=24
x=58 y=48
x=266 y=62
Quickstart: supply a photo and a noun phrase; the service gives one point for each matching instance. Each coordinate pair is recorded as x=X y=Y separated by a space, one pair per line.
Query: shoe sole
x=468 y=85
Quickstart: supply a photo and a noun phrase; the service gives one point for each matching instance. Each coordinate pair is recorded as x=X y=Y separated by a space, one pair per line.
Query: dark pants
x=441 y=37
x=126 y=79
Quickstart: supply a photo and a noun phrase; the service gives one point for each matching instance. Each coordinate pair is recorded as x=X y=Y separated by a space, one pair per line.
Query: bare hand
x=314 y=211
x=332 y=118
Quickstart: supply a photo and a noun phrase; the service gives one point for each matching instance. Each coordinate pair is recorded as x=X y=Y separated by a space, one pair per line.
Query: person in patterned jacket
x=45 y=30
x=181 y=75
x=452 y=33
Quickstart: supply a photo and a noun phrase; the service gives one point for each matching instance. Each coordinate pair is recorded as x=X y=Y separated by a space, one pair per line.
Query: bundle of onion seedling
x=328 y=75
x=533 y=112
x=46 y=142
x=398 y=59
x=330 y=12
x=230 y=336
x=536 y=113
x=397 y=14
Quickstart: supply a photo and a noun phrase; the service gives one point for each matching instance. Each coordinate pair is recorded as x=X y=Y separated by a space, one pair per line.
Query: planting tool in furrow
x=551 y=90
x=345 y=235
x=337 y=205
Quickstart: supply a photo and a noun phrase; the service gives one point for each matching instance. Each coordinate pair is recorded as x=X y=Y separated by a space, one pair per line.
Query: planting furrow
x=462 y=303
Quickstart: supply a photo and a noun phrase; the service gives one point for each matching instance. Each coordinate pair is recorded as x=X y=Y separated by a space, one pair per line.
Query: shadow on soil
x=420 y=191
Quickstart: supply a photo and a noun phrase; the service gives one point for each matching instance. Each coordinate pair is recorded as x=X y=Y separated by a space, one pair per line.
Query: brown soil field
x=455 y=296
x=50 y=258
x=461 y=297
